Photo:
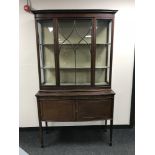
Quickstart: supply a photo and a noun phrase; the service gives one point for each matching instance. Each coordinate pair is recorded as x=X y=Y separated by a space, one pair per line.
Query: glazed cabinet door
x=74 y=41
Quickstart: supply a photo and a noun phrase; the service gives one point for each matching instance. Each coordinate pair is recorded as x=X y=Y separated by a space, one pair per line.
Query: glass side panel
x=103 y=47
x=102 y=34
x=49 y=77
x=46 y=32
x=74 y=38
x=46 y=49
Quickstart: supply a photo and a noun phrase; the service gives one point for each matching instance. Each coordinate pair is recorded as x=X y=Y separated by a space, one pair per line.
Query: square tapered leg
x=111 y=127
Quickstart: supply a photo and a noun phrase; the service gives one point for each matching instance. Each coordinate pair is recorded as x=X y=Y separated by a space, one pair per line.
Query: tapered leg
x=46 y=127
x=41 y=134
x=111 y=126
x=40 y=123
x=105 y=126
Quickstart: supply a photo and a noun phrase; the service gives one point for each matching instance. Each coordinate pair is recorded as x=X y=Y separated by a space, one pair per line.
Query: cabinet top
x=74 y=11
x=76 y=92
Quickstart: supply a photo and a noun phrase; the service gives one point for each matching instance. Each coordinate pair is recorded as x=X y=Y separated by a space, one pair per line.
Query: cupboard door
x=95 y=109
x=74 y=39
x=58 y=110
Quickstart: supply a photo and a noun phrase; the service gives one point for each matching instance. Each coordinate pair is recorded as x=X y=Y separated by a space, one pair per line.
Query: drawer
x=57 y=110
x=95 y=109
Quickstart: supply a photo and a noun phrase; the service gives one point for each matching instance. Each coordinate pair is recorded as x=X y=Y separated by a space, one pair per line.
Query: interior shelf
x=69 y=84
x=87 y=44
x=78 y=68
x=103 y=44
x=46 y=44
x=47 y=67
x=48 y=84
x=104 y=67
x=75 y=84
x=101 y=83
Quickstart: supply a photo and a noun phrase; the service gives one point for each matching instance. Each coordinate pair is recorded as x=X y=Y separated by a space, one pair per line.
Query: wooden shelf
x=49 y=84
x=47 y=67
x=84 y=68
x=68 y=84
x=46 y=44
x=79 y=84
x=101 y=83
x=100 y=44
x=104 y=67
x=75 y=84
x=77 y=68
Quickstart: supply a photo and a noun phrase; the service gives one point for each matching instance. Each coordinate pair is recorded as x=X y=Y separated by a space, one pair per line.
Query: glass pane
x=48 y=56
x=49 y=76
x=83 y=77
x=83 y=65
x=67 y=65
x=67 y=77
x=47 y=62
x=100 y=77
x=46 y=32
x=101 y=56
x=103 y=47
x=102 y=34
x=75 y=45
x=83 y=56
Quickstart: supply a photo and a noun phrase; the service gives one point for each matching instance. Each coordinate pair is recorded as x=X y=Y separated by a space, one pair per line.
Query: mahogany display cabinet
x=74 y=50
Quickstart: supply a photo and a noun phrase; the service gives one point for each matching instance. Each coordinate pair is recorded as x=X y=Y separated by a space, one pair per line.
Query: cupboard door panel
x=58 y=110
x=95 y=109
x=74 y=40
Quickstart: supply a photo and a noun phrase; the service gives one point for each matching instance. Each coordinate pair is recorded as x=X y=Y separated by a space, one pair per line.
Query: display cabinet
x=74 y=50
